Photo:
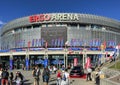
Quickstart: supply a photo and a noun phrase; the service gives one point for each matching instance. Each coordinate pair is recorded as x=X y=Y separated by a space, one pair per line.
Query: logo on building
x=53 y=17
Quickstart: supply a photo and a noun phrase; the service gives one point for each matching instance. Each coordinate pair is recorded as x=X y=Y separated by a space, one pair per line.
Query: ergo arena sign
x=53 y=17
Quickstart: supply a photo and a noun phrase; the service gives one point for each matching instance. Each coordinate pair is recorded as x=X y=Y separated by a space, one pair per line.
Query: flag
x=104 y=44
x=36 y=43
x=62 y=42
x=28 y=44
x=74 y=40
x=32 y=42
x=93 y=42
x=58 y=44
x=88 y=63
x=71 y=43
x=39 y=43
x=55 y=43
x=46 y=44
x=11 y=64
x=90 y=43
x=52 y=42
x=24 y=43
x=42 y=42
x=27 y=64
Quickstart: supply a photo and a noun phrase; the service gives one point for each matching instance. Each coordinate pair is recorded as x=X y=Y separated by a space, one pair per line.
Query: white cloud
x=1 y=23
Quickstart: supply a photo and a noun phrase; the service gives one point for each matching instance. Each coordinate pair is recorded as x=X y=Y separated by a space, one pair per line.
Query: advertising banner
x=75 y=61
x=45 y=63
x=27 y=64
x=11 y=64
x=88 y=63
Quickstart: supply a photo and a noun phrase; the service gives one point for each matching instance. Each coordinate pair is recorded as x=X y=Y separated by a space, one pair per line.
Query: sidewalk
x=73 y=81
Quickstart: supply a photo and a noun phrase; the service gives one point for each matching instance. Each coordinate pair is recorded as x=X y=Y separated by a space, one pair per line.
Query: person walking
x=97 y=79
x=65 y=77
x=5 y=76
x=59 y=76
x=1 y=75
x=11 y=78
x=36 y=73
x=46 y=76
x=19 y=78
x=89 y=70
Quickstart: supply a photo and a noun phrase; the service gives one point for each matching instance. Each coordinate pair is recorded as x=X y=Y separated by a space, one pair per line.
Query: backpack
x=36 y=73
x=5 y=75
x=64 y=77
x=46 y=73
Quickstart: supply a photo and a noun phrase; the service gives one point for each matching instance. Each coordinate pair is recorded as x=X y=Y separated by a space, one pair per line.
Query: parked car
x=77 y=71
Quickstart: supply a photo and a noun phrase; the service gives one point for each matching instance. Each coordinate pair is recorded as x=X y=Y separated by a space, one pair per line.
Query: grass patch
x=116 y=66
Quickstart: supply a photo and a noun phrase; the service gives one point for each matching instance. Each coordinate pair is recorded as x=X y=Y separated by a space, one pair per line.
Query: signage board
x=53 y=17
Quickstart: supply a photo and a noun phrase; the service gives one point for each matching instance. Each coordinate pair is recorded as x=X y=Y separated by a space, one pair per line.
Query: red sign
x=71 y=52
x=75 y=61
x=88 y=63
x=28 y=44
x=39 y=18
x=46 y=44
x=119 y=46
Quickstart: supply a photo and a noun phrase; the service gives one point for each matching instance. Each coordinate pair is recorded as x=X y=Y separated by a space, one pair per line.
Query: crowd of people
x=8 y=78
x=62 y=76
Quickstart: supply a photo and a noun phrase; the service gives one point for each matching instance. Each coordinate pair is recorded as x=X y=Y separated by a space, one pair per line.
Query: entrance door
x=74 y=59
x=56 y=60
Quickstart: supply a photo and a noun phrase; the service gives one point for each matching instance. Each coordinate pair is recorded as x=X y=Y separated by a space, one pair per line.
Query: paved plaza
x=73 y=81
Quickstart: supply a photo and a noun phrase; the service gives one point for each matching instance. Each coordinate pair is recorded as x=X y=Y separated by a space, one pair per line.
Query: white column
x=83 y=60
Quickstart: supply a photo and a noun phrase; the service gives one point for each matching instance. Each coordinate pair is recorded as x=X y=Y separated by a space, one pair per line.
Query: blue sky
x=12 y=9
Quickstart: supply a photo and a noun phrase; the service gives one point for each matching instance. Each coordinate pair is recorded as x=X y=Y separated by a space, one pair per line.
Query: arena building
x=62 y=38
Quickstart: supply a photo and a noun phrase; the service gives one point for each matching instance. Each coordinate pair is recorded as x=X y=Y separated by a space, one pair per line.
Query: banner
x=45 y=63
x=11 y=64
x=27 y=64
x=88 y=62
x=75 y=61
x=62 y=42
x=52 y=42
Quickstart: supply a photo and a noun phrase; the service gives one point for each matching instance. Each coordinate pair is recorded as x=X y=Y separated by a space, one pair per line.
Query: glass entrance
x=74 y=59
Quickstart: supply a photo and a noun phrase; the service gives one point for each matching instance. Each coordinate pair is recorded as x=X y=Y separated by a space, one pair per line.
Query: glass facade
x=56 y=36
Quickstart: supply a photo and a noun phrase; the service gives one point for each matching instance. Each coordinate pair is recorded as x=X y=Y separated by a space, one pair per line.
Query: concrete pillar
x=66 y=60
x=83 y=60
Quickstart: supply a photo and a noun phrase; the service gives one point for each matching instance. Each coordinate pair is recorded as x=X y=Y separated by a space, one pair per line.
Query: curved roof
x=82 y=18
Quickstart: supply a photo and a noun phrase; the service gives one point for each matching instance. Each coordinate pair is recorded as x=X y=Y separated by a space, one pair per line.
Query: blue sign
x=55 y=48
x=94 y=48
x=45 y=63
x=57 y=61
x=39 y=62
x=75 y=49
x=109 y=49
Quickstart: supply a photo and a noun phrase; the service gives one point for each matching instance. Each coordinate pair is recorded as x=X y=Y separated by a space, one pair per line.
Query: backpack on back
x=64 y=77
x=4 y=75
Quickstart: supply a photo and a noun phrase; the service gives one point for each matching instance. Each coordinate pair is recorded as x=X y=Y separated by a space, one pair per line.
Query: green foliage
x=116 y=66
